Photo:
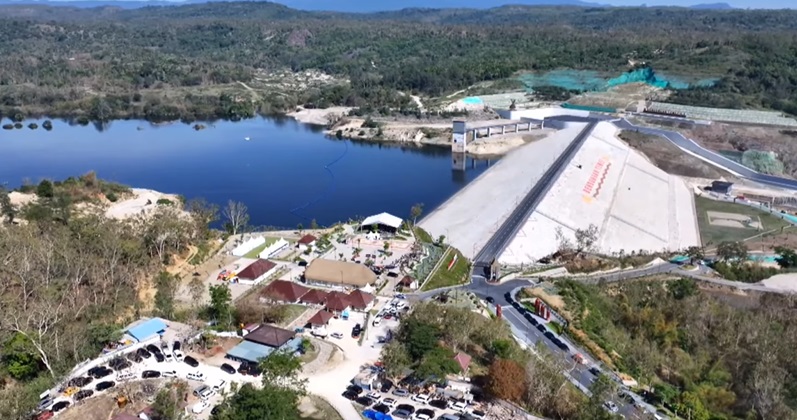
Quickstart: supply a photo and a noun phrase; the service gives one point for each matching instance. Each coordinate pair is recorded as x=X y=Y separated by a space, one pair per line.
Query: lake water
x=285 y=173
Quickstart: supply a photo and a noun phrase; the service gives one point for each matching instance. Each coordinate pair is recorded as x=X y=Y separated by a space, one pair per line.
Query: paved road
x=684 y=143
x=509 y=228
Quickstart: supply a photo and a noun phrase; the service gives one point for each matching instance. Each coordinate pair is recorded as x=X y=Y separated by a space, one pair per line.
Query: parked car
x=149 y=374
x=195 y=376
x=490 y=300
x=227 y=368
x=219 y=385
x=401 y=392
x=374 y=396
x=336 y=335
x=458 y=406
x=364 y=401
x=477 y=414
x=390 y=402
x=355 y=389
x=349 y=395
x=541 y=328
x=611 y=406
x=80 y=382
x=387 y=385
x=595 y=371
x=421 y=398
x=425 y=412
x=169 y=373
x=166 y=352
x=190 y=361
x=200 y=407
x=134 y=357
x=381 y=408
x=144 y=353
x=406 y=407
x=377 y=321
x=60 y=405
x=105 y=385
x=159 y=357
x=83 y=394
x=153 y=348
x=402 y=414
x=439 y=403
x=124 y=376
x=45 y=401
x=101 y=373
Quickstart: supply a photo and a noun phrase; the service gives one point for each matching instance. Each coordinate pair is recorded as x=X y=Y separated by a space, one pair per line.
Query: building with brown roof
x=269 y=335
x=257 y=271
x=283 y=291
x=463 y=360
x=338 y=273
x=408 y=282
x=321 y=318
x=306 y=241
x=360 y=300
x=337 y=302
x=314 y=297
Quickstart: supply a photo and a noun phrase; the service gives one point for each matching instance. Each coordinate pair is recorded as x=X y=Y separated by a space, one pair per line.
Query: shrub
x=112 y=197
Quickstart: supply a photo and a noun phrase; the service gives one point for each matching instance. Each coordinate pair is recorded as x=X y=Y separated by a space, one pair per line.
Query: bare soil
x=669 y=157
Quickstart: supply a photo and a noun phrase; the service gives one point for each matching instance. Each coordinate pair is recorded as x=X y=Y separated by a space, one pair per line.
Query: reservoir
x=286 y=172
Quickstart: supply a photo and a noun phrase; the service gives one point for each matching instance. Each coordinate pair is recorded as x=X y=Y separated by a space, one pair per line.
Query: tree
x=586 y=239
x=269 y=402
x=221 y=304
x=415 y=212
x=418 y=337
x=695 y=253
x=732 y=251
x=165 y=289
x=564 y=246
x=6 y=208
x=282 y=369
x=601 y=390
x=437 y=362
x=787 y=258
x=386 y=246
x=203 y=214
x=45 y=189
x=501 y=348
x=300 y=227
x=313 y=224
x=682 y=288
x=167 y=404
x=19 y=358
x=395 y=359
x=506 y=380
x=441 y=240
x=237 y=216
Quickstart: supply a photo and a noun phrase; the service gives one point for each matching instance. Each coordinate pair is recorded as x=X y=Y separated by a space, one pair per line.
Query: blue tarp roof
x=375 y=415
x=147 y=329
x=679 y=259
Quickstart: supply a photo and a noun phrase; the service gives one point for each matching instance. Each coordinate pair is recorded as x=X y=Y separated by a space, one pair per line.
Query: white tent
x=385 y=219
x=274 y=249
x=368 y=288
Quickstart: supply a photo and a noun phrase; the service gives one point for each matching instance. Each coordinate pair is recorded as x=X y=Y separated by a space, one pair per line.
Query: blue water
x=285 y=166
x=773 y=259
x=472 y=100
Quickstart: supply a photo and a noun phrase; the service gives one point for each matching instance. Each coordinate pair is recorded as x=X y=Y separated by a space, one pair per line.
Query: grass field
x=444 y=277
x=255 y=252
x=715 y=234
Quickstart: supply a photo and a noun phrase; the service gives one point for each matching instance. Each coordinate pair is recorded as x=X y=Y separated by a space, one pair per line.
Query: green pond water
x=587 y=80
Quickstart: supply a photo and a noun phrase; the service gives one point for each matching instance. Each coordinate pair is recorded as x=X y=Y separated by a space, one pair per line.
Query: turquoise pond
x=587 y=80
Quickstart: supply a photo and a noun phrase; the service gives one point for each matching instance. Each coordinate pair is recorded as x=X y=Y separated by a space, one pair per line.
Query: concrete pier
x=465 y=132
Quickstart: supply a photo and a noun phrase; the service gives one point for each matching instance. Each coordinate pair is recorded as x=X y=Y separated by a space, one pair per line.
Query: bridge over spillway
x=465 y=132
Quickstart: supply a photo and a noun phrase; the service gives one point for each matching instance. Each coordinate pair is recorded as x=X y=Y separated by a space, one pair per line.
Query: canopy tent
x=383 y=220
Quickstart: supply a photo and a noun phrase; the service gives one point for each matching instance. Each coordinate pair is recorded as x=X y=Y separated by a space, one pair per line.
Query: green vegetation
x=458 y=274
x=713 y=234
x=422 y=235
x=196 y=61
x=75 y=276
x=700 y=354
x=278 y=398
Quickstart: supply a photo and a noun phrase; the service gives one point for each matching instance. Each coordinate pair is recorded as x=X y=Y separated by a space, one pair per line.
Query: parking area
x=114 y=378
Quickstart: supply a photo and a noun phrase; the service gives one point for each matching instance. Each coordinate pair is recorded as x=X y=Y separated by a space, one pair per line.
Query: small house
x=722 y=187
x=306 y=242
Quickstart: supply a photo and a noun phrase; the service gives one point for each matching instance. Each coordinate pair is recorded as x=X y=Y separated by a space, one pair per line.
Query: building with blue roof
x=147 y=329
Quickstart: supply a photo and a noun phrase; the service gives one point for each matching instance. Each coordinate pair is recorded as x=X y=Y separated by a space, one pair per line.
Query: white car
x=195 y=376
x=178 y=355
x=374 y=396
x=611 y=406
x=458 y=406
x=421 y=417
x=219 y=385
x=167 y=353
x=337 y=335
x=169 y=373
x=124 y=376
x=377 y=321
x=200 y=407
x=390 y=402
x=421 y=398
x=476 y=414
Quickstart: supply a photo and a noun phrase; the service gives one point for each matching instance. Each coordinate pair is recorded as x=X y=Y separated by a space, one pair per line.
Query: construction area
x=470 y=217
x=633 y=204
x=721 y=114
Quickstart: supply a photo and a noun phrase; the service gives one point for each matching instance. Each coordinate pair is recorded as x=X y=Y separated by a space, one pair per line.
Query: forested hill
x=189 y=61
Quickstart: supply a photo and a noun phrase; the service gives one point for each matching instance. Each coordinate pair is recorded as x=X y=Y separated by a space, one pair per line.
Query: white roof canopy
x=386 y=219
